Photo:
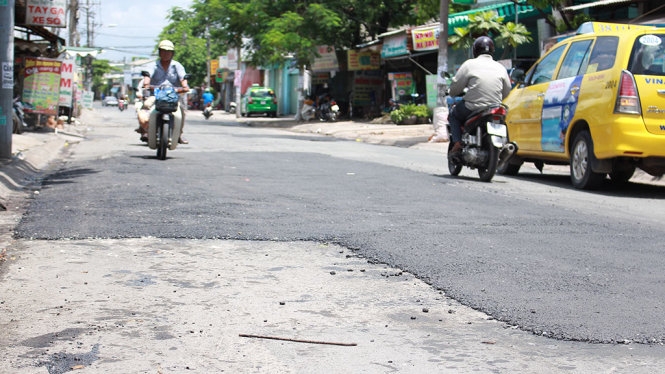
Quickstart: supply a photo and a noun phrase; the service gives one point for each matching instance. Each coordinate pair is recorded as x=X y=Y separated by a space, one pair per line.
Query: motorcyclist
x=166 y=69
x=207 y=97
x=486 y=82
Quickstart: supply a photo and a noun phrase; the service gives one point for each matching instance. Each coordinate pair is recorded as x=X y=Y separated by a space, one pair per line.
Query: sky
x=127 y=28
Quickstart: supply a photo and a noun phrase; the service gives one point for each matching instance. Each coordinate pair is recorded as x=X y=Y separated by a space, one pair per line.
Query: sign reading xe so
x=48 y=13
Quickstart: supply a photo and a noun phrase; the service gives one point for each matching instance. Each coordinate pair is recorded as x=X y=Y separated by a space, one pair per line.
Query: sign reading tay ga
x=48 y=13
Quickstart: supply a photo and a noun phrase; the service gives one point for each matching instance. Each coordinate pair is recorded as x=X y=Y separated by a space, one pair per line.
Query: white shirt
x=487 y=82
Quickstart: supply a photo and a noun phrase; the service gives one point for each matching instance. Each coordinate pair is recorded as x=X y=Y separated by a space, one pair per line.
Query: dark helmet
x=483 y=45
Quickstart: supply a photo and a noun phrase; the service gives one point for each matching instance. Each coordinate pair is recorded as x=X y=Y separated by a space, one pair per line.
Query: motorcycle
x=232 y=107
x=18 y=116
x=164 y=131
x=484 y=138
x=328 y=110
x=122 y=104
x=207 y=112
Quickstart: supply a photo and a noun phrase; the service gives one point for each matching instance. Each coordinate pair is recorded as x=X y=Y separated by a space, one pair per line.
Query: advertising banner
x=47 y=13
x=402 y=85
x=41 y=85
x=367 y=88
x=426 y=38
x=327 y=60
x=67 y=83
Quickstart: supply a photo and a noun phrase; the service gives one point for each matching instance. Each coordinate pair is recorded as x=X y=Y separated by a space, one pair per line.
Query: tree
x=559 y=19
x=99 y=69
x=188 y=35
x=507 y=36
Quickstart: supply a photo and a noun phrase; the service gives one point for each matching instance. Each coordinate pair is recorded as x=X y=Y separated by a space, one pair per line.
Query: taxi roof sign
x=606 y=27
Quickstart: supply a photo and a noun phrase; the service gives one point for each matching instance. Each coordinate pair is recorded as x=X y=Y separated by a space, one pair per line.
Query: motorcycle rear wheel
x=454 y=167
x=487 y=173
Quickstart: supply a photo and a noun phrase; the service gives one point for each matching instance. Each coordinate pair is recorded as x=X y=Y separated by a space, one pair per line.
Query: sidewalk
x=373 y=132
x=32 y=154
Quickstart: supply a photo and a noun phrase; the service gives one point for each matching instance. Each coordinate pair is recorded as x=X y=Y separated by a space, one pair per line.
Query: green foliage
x=188 y=35
x=99 y=69
x=397 y=116
x=410 y=110
x=279 y=29
x=506 y=36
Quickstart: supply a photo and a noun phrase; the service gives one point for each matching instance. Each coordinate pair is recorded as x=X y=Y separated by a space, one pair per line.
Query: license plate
x=263 y=102
x=498 y=129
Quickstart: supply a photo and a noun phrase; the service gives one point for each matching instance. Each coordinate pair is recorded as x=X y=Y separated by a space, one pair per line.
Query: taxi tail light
x=628 y=101
x=274 y=100
x=250 y=100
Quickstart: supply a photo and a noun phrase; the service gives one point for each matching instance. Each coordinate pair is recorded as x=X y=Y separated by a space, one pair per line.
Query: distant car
x=259 y=100
x=110 y=101
x=595 y=102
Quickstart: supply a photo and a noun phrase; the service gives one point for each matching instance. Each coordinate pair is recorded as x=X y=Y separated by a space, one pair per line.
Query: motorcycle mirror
x=517 y=75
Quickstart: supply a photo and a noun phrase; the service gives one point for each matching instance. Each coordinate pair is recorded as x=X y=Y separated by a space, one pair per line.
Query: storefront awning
x=575 y=8
x=81 y=51
x=506 y=10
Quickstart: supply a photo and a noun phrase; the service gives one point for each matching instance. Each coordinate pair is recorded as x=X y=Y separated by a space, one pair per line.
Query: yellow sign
x=425 y=38
x=364 y=60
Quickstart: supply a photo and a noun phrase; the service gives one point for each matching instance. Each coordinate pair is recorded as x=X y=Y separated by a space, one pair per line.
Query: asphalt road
x=527 y=251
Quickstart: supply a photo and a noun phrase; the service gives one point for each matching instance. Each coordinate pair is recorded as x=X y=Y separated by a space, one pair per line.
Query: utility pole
x=7 y=87
x=207 y=80
x=74 y=38
x=441 y=110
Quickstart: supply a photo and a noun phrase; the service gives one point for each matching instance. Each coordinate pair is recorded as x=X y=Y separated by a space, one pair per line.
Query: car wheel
x=581 y=174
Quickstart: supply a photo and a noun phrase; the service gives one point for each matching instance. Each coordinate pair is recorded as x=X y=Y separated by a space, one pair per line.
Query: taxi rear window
x=261 y=93
x=648 y=55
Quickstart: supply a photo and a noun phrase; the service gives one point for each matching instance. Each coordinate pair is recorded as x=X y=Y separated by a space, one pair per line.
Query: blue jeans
x=456 y=118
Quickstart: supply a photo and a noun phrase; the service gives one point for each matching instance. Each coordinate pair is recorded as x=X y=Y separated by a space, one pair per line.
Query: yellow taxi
x=594 y=101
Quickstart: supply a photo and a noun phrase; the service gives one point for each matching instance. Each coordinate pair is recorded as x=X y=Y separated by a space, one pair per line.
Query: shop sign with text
x=327 y=60
x=364 y=60
x=395 y=45
x=47 y=13
x=425 y=38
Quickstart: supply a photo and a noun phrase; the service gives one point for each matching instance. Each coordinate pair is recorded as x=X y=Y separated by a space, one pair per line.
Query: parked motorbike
x=232 y=107
x=164 y=131
x=328 y=110
x=207 y=112
x=122 y=104
x=18 y=116
x=484 y=136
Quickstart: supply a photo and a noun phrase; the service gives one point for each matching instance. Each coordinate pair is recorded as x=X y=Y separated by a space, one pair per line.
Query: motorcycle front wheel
x=454 y=167
x=487 y=172
x=163 y=139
